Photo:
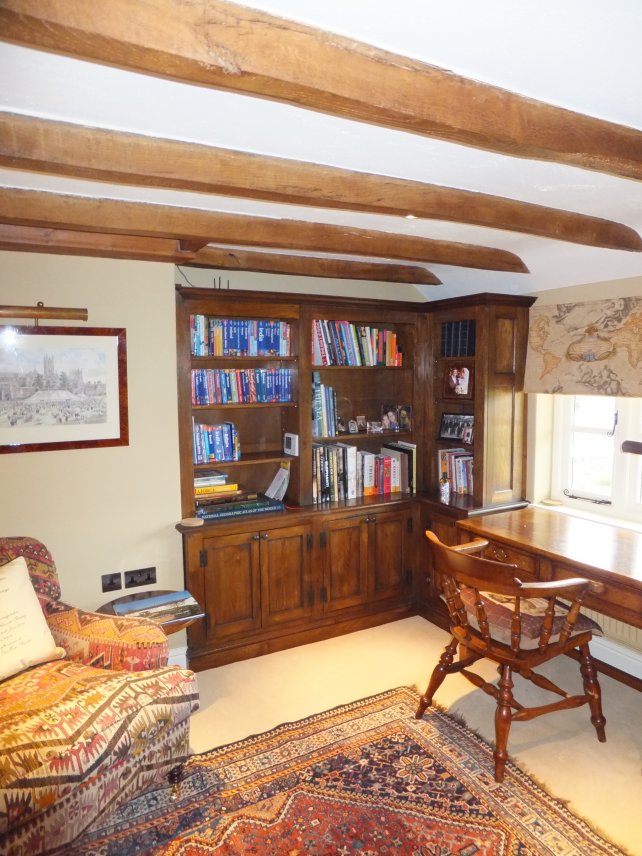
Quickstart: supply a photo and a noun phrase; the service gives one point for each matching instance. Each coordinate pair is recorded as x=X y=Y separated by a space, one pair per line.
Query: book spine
x=239 y=510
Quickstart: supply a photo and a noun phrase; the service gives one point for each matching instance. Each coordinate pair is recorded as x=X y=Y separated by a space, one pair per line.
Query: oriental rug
x=363 y=779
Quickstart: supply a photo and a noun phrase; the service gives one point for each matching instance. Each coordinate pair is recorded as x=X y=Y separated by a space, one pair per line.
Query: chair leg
x=437 y=678
x=593 y=691
x=503 y=720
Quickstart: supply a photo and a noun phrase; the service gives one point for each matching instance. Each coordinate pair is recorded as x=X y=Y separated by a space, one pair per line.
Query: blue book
x=153 y=600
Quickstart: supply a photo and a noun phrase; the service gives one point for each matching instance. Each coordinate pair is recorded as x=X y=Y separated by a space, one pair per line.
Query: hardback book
x=240 y=509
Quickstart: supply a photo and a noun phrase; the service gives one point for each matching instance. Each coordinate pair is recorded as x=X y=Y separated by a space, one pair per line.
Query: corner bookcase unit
x=260 y=424
x=478 y=353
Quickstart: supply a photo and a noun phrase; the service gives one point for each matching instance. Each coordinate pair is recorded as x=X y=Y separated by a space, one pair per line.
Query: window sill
x=587 y=515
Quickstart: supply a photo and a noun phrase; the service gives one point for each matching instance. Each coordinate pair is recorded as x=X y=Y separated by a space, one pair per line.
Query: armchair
x=79 y=736
x=517 y=625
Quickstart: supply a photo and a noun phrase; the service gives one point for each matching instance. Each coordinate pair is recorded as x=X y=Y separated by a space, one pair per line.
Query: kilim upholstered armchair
x=88 y=722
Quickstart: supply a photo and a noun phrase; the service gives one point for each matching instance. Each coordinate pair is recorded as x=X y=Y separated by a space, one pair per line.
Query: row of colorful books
x=213 y=443
x=241 y=386
x=457 y=466
x=341 y=343
x=341 y=471
x=239 y=337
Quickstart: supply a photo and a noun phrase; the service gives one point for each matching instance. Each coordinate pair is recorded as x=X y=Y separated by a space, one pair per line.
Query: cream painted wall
x=111 y=509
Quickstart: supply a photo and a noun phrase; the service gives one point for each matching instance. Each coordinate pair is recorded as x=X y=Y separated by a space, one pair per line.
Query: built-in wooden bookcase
x=361 y=391
x=273 y=580
x=475 y=403
x=256 y=392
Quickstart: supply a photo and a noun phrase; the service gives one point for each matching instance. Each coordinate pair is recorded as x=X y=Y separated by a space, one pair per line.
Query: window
x=589 y=469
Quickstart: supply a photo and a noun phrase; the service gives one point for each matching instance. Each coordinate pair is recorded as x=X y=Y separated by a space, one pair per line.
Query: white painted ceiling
x=585 y=55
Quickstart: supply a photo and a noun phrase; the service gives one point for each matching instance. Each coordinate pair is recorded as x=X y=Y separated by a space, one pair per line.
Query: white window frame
x=626 y=499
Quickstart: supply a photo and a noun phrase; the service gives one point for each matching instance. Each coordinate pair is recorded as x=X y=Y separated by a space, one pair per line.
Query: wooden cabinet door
x=286 y=584
x=231 y=585
x=344 y=546
x=388 y=554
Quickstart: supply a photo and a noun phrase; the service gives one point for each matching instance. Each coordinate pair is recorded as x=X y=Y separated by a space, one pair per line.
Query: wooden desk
x=548 y=545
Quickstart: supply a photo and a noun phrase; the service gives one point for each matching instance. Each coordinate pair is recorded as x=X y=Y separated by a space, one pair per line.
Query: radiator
x=617 y=630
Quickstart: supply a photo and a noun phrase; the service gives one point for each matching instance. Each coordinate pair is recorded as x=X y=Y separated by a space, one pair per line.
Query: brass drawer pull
x=500 y=554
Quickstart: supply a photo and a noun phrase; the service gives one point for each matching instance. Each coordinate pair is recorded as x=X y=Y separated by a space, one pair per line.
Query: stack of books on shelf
x=324 y=411
x=340 y=343
x=214 y=443
x=216 y=498
x=241 y=386
x=239 y=337
x=457 y=466
x=340 y=471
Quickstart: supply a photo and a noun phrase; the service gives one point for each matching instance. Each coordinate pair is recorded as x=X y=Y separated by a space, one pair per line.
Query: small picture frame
x=456 y=426
x=362 y=423
x=404 y=417
x=389 y=417
x=458 y=381
x=353 y=428
x=374 y=428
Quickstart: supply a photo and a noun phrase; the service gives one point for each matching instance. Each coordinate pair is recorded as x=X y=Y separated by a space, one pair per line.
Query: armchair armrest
x=107 y=641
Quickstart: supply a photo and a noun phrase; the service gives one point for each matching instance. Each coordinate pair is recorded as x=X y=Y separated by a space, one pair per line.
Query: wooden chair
x=519 y=626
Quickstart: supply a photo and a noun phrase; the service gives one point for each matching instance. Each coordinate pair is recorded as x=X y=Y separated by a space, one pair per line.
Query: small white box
x=291 y=444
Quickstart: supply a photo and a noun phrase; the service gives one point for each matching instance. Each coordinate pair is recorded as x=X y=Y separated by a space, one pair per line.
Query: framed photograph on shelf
x=62 y=388
x=458 y=381
x=456 y=426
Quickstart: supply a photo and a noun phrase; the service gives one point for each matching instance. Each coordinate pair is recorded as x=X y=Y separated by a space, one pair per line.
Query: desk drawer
x=527 y=564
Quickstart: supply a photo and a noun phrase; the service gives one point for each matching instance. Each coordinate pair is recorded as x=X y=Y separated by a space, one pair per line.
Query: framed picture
x=389 y=417
x=456 y=426
x=458 y=380
x=62 y=388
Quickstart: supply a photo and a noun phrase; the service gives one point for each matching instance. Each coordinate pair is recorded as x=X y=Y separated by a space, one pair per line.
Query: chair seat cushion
x=62 y=723
x=499 y=612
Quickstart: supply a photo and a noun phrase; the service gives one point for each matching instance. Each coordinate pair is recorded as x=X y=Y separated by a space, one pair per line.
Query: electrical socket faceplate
x=111 y=582
x=142 y=577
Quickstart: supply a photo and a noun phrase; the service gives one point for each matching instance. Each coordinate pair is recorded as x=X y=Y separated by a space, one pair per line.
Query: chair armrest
x=107 y=641
x=475 y=546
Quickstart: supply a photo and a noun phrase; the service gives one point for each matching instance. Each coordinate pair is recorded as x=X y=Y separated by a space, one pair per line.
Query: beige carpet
x=602 y=782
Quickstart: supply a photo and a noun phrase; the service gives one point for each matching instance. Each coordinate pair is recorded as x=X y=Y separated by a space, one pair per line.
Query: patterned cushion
x=42 y=569
x=108 y=642
x=63 y=725
x=25 y=637
x=499 y=612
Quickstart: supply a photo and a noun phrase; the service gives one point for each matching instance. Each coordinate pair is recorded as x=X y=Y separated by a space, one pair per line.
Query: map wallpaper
x=592 y=348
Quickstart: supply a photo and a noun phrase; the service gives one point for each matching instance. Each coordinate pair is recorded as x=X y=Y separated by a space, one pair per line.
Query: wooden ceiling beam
x=37 y=239
x=227 y=258
x=60 y=148
x=231 y=47
x=60 y=211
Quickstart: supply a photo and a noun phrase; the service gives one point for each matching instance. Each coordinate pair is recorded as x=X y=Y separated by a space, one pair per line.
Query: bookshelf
x=445 y=382
x=237 y=390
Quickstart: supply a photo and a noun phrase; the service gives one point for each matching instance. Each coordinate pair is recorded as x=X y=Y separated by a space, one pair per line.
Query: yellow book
x=215 y=488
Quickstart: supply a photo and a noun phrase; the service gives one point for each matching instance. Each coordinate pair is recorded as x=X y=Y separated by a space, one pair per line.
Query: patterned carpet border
x=362 y=779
